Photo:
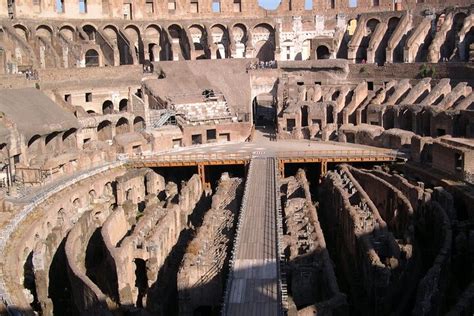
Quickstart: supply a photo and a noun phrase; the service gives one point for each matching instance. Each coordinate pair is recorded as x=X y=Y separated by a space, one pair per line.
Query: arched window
x=322 y=52
x=92 y=58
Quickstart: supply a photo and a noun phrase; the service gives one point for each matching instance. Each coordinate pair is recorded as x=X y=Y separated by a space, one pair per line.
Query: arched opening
x=108 y=189
x=122 y=126
x=107 y=107
x=154 y=39
x=34 y=143
x=69 y=138
x=123 y=105
x=92 y=196
x=263 y=108
x=179 y=44
x=121 y=43
x=265 y=46
x=370 y=26
x=322 y=52
x=134 y=36
x=52 y=142
x=45 y=32
x=77 y=204
x=68 y=33
x=104 y=131
x=21 y=31
x=398 y=50
x=90 y=32
x=447 y=50
x=199 y=40
x=92 y=58
x=138 y=124
x=239 y=32
x=153 y=52
x=221 y=40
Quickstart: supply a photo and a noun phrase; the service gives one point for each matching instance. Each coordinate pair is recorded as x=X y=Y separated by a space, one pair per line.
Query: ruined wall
x=430 y=296
x=202 y=274
x=88 y=297
x=313 y=285
x=393 y=205
x=61 y=210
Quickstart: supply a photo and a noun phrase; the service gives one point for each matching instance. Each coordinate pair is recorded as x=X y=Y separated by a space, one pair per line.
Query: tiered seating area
x=203 y=112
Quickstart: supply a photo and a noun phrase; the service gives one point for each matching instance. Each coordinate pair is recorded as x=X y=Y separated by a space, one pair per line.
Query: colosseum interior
x=230 y=157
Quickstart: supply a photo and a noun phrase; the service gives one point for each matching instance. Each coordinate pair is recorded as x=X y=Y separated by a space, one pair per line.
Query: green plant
x=427 y=71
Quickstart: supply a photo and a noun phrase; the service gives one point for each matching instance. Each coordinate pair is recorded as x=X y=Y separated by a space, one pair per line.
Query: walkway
x=254 y=281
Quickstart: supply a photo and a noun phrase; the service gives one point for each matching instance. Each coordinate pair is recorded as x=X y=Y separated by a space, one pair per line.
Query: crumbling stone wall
x=43 y=229
x=362 y=236
x=313 y=285
x=88 y=297
x=202 y=273
x=147 y=232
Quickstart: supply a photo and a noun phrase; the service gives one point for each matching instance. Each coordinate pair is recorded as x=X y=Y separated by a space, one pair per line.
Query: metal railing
x=180 y=157
x=338 y=153
x=194 y=157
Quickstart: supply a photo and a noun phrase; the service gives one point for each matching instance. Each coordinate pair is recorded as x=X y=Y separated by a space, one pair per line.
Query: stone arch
x=104 y=130
x=263 y=109
x=45 y=31
x=393 y=23
x=34 y=145
x=90 y=30
x=458 y=21
x=152 y=31
x=108 y=189
x=152 y=35
x=33 y=140
x=122 y=126
x=107 y=107
x=92 y=58
x=67 y=31
x=198 y=34
x=448 y=47
x=240 y=37
x=69 y=138
x=220 y=37
x=199 y=40
x=263 y=38
x=52 y=142
x=370 y=26
x=92 y=196
x=112 y=33
x=179 y=43
x=123 y=105
x=77 y=203
x=322 y=52
x=134 y=34
x=22 y=31
x=138 y=123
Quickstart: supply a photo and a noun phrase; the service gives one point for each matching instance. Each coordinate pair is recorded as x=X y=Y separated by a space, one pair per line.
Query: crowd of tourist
x=262 y=65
